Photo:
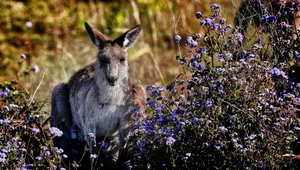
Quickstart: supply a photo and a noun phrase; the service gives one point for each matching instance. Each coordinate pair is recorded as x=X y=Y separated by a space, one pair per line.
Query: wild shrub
x=232 y=108
x=25 y=139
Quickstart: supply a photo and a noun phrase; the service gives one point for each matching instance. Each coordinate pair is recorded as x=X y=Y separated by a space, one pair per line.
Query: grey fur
x=61 y=117
x=98 y=97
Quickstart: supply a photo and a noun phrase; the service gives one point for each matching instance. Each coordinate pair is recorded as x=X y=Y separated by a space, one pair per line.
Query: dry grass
x=58 y=44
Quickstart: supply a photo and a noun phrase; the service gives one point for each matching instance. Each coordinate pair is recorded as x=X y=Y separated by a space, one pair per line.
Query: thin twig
x=195 y=4
x=251 y=117
x=31 y=98
x=27 y=93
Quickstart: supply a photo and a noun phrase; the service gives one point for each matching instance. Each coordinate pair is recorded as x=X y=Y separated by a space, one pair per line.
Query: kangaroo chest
x=106 y=118
x=104 y=113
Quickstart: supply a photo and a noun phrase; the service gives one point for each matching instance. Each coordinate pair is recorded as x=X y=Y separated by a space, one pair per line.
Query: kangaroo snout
x=112 y=80
x=112 y=74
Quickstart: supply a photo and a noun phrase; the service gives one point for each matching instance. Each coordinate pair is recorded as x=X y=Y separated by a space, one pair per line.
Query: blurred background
x=42 y=43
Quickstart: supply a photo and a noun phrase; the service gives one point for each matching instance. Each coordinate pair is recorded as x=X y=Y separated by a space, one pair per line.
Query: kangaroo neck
x=116 y=94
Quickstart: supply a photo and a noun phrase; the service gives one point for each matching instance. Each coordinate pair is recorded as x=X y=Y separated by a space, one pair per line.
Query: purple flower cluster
x=278 y=72
x=5 y=92
x=223 y=113
x=190 y=42
x=266 y=19
x=198 y=15
x=55 y=132
x=104 y=145
x=19 y=130
x=177 y=38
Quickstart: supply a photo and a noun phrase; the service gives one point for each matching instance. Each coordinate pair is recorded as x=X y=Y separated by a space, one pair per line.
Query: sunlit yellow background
x=57 y=42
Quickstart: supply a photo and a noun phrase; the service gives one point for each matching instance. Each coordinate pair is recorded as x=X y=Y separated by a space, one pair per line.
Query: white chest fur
x=106 y=118
x=102 y=112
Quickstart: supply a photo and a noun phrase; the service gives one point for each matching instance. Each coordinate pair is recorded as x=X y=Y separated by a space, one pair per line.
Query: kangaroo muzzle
x=112 y=74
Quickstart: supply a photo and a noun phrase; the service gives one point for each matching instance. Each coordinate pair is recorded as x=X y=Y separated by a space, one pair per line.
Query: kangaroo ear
x=127 y=39
x=97 y=37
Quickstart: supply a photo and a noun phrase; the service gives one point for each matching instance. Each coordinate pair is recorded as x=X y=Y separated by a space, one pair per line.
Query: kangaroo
x=257 y=8
x=98 y=97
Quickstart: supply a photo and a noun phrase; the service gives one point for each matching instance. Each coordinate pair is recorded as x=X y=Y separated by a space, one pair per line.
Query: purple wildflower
x=23 y=56
x=170 y=86
x=152 y=103
x=240 y=37
x=215 y=6
x=259 y=41
x=188 y=40
x=208 y=104
x=297 y=55
x=150 y=87
x=232 y=117
x=58 y=150
x=193 y=44
x=233 y=140
x=215 y=27
x=56 y=132
x=40 y=157
x=141 y=144
x=202 y=50
x=5 y=93
x=158 y=109
x=209 y=21
x=64 y=156
x=170 y=140
x=198 y=35
x=226 y=28
x=198 y=15
x=197 y=120
x=161 y=120
x=177 y=38
x=28 y=24
x=264 y=19
x=223 y=129
x=29 y=166
x=180 y=124
x=104 y=145
x=35 y=69
x=277 y=72
x=173 y=117
x=93 y=156
x=35 y=130
x=135 y=109
x=2 y=157
x=271 y=19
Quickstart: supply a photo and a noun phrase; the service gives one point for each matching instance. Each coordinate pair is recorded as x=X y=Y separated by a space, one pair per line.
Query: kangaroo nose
x=112 y=80
x=112 y=73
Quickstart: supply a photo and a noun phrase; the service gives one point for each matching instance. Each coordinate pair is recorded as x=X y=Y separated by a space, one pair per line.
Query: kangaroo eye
x=122 y=59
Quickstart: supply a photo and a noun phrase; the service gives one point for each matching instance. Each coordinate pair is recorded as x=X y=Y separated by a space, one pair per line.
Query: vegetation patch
x=234 y=106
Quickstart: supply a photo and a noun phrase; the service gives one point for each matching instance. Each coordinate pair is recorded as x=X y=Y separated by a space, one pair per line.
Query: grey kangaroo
x=98 y=97
x=254 y=9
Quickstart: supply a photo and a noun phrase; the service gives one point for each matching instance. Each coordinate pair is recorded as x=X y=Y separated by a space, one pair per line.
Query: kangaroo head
x=111 y=63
